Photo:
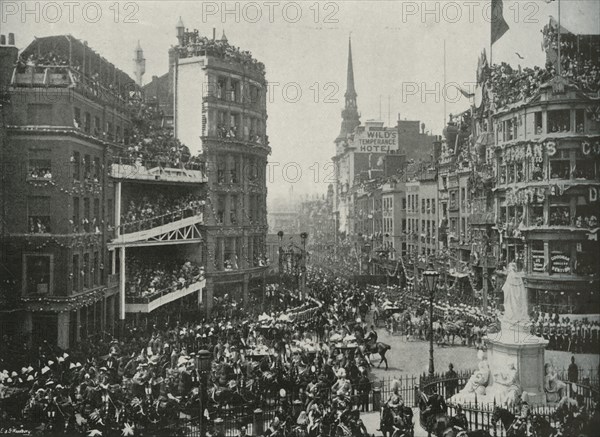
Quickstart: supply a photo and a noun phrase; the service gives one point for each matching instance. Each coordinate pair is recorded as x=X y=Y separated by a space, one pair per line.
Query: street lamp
x=303 y=236
x=204 y=360
x=430 y=276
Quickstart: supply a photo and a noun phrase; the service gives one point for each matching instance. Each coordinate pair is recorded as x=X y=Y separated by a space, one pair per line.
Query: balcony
x=181 y=227
x=136 y=170
x=65 y=77
x=149 y=303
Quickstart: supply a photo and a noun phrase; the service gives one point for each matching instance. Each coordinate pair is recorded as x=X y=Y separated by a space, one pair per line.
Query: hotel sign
x=376 y=140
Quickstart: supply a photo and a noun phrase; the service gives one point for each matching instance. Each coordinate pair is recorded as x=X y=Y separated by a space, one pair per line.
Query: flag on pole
x=499 y=25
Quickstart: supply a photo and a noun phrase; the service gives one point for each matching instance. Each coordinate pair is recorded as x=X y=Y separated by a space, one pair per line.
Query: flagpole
x=558 y=69
x=444 y=124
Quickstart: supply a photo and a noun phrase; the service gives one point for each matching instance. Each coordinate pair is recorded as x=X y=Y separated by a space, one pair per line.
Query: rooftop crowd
x=194 y=45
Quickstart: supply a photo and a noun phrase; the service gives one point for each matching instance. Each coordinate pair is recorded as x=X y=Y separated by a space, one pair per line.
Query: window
x=233 y=210
x=76 y=161
x=37 y=274
x=537 y=256
x=220 y=172
x=580 y=121
x=221 y=85
x=96 y=268
x=75 y=220
x=234 y=91
x=404 y=204
x=87 y=162
x=86 y=270
x=76 y=274
x=560 y=216
x=97 y=126
x=422 y=206
x=96 y=169
x=560 y=257
x=86 y=214
x=220 y=209
x=96 y=222
x=537 y=119
x=585 y=168
x=87 y=124
x=559 y=121
x=39 y=168
x=536 y=215
x=560 y=165
x=38 y=212
x=433 y=206
x=77 y=117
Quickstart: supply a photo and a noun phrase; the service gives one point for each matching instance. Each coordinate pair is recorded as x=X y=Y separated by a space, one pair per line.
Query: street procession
x=295 y=219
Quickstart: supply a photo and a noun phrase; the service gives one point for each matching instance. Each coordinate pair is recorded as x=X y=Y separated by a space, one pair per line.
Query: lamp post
x=303 y=236
x=430 y=277
x=204 y=359
x=280 y=235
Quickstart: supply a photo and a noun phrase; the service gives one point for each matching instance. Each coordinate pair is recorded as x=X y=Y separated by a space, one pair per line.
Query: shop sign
x=538 y=262
x=560 y=264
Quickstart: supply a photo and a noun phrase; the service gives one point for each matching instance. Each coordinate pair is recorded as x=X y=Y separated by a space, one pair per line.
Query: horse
x=376 y=348
x=514 y=427
x=396 y=425
x=455 y=329
x=442 y=426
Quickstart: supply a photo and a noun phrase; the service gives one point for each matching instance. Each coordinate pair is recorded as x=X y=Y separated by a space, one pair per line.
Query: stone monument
x=514 y=368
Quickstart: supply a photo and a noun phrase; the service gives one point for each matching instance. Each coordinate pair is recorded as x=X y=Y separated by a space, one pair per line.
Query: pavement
x=407 y=358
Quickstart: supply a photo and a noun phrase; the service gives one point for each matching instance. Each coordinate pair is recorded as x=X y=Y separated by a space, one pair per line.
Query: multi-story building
x=220 y=111
x=538 y=175
x=65 y=116
x=394 y=219
x=548 y=177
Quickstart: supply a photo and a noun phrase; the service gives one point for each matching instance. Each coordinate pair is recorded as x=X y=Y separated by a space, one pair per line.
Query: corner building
x=220 y=111
x=64 y=115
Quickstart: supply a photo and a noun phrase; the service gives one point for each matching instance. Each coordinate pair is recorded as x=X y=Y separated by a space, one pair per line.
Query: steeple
x=350 y=117
x=350 y=91
x=139 y=63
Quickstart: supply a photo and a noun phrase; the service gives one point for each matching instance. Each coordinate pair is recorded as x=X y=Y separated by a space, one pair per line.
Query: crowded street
x=296 y=219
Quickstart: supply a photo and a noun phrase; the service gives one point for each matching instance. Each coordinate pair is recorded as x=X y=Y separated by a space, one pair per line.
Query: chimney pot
x=11 y=39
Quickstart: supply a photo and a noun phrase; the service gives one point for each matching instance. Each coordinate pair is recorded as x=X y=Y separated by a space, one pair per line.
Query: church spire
x=350 y=91
x=350 y=117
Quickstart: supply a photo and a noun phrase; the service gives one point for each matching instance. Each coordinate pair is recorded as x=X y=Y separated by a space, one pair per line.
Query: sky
x=397 y=47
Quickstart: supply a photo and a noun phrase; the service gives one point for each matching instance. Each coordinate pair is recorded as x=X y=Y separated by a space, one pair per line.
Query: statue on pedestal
x=515 y=297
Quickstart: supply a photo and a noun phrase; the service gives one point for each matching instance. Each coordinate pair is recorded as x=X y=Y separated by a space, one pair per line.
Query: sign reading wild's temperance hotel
x=375 y=139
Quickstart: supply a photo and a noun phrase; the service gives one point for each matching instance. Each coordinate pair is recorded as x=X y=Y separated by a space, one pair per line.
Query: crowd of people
x=306 y=361
x=563 y=334
x=579 y=56
x=152 y=144
x=195 y=45
x=159 y=210
x=307 y=356
x=147 y=277
x=58 y=63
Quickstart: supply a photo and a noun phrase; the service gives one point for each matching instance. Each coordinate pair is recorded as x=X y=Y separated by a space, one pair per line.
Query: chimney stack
x=11 y=39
